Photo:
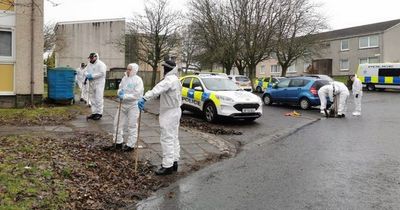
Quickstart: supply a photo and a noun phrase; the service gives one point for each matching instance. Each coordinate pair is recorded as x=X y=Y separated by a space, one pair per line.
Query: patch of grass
x=23 y=185
x=343 y=79
x=39 y=116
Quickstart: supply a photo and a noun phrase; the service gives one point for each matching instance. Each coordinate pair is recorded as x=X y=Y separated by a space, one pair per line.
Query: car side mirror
x=198 y=88
x=274 y=85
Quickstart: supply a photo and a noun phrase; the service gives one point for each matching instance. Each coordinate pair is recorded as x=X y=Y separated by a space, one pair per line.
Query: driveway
x=350 y=163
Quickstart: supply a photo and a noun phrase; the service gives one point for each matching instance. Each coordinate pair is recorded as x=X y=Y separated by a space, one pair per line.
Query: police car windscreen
x=220 y=84
x=387 y=72
x=242 y=79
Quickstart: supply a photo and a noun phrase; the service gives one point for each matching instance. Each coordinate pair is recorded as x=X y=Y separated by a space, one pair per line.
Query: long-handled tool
x=116 y=130
x=88 y=96
x=137 y=141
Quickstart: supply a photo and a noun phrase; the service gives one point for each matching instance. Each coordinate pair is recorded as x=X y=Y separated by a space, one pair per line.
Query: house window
x=369 y=60
x=344 y=65
x=368 y=42
x=6 y=44
x=275 y=69
x=344 y=45
x=307 y=67
x=292 y=68
x=263 y=69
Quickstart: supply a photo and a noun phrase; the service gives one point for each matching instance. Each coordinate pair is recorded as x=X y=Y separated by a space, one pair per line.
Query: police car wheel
x=304 y=103
x=370 y=87
x=258 y=89
x=210 y=112
x=267 y=100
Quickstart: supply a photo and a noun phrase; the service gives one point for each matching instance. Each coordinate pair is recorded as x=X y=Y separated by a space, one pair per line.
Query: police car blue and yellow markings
x=380 y=80
x=196 y=97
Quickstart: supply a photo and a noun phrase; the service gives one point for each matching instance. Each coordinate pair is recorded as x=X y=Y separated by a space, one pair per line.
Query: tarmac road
x=351 y=163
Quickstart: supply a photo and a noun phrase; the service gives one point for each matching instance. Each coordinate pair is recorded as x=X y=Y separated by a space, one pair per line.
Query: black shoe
x=97 y=116
x=341 y=116
x=175 y=166
x=113 y=147
x=128 y=149
x=164 y=171
x=90 y=117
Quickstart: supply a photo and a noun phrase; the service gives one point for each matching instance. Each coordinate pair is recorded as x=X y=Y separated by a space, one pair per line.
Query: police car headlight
x=225 y=98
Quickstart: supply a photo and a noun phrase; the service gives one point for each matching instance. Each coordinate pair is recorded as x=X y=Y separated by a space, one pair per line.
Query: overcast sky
x=340 y=13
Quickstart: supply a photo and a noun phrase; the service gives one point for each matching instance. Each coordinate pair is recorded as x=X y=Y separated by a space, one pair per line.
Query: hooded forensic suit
x=337 y=89
x=357 y=93
x=80 y=80
x=132 y=88
x=97 y=70
x=170 y=91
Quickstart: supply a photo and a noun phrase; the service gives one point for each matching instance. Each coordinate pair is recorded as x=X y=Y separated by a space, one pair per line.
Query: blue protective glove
x=121 y=94
x=141 y=103
x=89 y=77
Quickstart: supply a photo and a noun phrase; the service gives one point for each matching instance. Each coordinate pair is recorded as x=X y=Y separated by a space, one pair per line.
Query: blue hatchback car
x=301 y=91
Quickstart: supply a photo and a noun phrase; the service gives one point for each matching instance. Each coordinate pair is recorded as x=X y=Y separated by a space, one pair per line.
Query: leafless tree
x=190 y=48
x=215 y=31
x=49 y=36
x=258 y=19
x=297 y=26
x=156 y=33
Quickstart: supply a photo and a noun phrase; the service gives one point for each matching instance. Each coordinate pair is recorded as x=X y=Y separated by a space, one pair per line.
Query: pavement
x=196 y=147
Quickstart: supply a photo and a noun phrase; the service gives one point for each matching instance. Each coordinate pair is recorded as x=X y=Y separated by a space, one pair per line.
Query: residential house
x=341 y=51
x=21 y=52
x=75 y=40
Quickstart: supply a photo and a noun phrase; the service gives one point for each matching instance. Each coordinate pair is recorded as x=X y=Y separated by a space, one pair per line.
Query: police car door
x=198 y=89
x=185 y=90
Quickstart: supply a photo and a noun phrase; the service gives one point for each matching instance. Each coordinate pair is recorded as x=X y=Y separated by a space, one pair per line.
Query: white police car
x=217 y=96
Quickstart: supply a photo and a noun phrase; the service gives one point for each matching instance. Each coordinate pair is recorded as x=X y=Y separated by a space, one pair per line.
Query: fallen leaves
x=73 y=172
x=208 y=128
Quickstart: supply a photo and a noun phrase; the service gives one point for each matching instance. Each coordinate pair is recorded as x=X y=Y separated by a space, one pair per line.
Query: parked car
x=217 y=96
x=242 y=81
x=320 y=76
x=301 y=91
x=260 y=84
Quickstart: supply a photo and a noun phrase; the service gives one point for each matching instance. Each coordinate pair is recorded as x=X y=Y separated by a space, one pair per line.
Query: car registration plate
x=248 y=110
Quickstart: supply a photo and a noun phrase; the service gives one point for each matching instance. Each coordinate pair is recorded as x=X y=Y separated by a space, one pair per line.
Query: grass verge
x=39 y=116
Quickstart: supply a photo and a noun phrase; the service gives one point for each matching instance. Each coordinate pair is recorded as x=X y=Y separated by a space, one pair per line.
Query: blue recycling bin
x=61 y=83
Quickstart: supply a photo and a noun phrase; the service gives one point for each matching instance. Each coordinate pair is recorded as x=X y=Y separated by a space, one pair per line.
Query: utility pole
x=32 y=52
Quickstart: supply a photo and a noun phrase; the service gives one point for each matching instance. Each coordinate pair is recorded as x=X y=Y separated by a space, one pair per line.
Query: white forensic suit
x=335 y=88
x=170 y=91
x=323 y=93
x=80 y=79
x=341 y=90
x=357 y=93
x=96 y=86
x=132 y=86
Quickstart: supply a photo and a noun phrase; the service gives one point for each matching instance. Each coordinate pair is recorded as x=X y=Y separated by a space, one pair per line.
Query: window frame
x=190 y=82
x=278 y=69
x=294 y=69
x=368 y=42
x=368 y=59
x=348 y=65
x=341 y=45
x=12 y=57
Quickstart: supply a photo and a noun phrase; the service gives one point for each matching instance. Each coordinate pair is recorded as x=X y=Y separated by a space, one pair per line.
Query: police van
x=218 y=96
x=379 y=75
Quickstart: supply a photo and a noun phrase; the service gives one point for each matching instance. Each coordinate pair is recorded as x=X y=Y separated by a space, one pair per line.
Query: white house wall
x=77 y=39
x=391 y=50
